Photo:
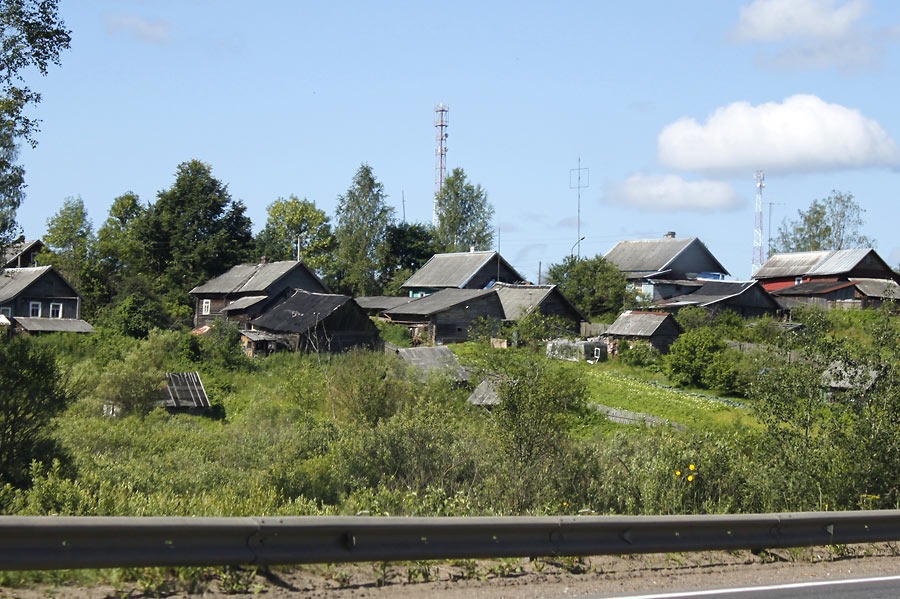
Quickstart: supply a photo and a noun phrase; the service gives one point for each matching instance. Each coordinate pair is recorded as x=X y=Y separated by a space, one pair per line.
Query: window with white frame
x=206 y=308
x=34 y=309
x=6 y=311
x=55 y=310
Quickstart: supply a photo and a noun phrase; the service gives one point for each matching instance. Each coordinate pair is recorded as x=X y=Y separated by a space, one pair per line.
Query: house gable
x=671 y=258
x=37 y=292
x=461 y=270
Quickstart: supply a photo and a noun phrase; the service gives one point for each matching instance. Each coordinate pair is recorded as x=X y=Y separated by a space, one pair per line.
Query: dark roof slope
x=437 y=302
x=454 y=269
x=711 y=292
x=300 y=312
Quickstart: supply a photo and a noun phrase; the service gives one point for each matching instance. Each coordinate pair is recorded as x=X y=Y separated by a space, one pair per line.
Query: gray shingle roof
x=14 y=281
x=883 y=288
x=248 y=278
x=452 y=270
x=821 y=263
x=437 y=302
x=637 y=324
x=711 y=292
x=518 y=300
x=647 y=255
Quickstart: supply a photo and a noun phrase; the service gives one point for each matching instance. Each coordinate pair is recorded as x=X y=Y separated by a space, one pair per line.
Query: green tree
x=594 y=285
x=33 y=36
x=294 y=225
x=363 y=219
x=410 y=245
x=33 y=393
x=463 y=215
x=832 y=223
x=70 y=238
x=119 y=254
x=194 y=231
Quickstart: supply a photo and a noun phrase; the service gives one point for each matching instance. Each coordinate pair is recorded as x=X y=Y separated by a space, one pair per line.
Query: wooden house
x=745 y=298
x=782 y=271
x=667 y=267
x=659 y=329
x=854 y=293
x=460 y=270
x=39 y=300
x=520 y=300
x=247 y=290
x=22 y=254
x=319 y=322
x=446 y=315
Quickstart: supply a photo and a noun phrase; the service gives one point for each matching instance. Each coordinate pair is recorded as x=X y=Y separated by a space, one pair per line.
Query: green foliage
x=535 y=329
x=33 y=393
x=395 y=334
x=363 y=217
x=832 y=223
x=463 y=215
x=70 y=239
x=366 y=387
x=410 y=245
x=594 y=285
x=296 y=227
x=690 y=355
x=640 y=353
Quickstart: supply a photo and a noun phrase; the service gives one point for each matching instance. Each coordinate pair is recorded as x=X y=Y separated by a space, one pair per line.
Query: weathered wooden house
x=520 y=300
x=782 y=271
x=666 y=267
x=318 y=322
x=247 y=290
x=854 y=293
x=39 y=300
x=659 y=329
x=745 y=298
x=460 y=270
x=22 y=254
x=446 y=315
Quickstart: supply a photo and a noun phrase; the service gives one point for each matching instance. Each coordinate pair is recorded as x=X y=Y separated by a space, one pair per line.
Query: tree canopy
x=32 y=36
x=363 y=219
x=831 y=223
x=594 y=285
x=463 y=215
x=296 y=227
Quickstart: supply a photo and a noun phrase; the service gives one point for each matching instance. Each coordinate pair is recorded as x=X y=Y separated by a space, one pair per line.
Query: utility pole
x=575 y=182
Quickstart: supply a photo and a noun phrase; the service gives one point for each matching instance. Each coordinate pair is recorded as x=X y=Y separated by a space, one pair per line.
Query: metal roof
x=53 y=325
x=249 y=278
x=184 y=390
x=813 y=288
x=453 y=270
x=820 y=263
x=710 y=292
x=883 y=288
x=300 y=312
x=647 y=255
x=14 y=281
x=438 y=302
x=245 y=302
x=638 y=324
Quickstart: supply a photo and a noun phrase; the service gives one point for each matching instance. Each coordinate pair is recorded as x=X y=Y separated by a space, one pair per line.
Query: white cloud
x=801 y=134
x=672 y=193
x=779 y=20
x=146 y=30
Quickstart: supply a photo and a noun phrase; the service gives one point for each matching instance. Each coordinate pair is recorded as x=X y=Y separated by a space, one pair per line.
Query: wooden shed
x=660 y=329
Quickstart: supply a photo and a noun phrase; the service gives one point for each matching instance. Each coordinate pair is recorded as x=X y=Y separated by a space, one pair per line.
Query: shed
x=184 y=392
x=660 y=329
x=319 y=322
x=520 y=300
x=447 y=315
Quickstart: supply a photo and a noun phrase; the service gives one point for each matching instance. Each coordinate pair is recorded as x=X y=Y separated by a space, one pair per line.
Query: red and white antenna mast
x=758 y=228
x=441 y=122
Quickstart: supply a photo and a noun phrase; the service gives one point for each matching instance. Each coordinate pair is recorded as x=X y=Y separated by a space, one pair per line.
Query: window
x=6 y=311
x=34 y=309
x=206 y=307
x=55 y=310
x=798 y=280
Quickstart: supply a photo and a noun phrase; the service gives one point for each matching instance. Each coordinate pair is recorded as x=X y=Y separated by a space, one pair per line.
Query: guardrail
x=49 y=542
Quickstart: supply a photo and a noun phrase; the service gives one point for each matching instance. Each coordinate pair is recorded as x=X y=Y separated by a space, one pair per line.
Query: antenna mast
x=575 y=176
x=441 y=122
x=758 y=228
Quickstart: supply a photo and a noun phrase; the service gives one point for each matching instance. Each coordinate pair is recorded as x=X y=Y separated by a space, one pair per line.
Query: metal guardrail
x=49 y=542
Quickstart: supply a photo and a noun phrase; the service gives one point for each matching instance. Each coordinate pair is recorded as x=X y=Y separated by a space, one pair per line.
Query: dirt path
x=519 y=579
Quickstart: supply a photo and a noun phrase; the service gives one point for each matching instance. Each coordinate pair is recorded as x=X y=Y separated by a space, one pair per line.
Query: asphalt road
x=884 y=587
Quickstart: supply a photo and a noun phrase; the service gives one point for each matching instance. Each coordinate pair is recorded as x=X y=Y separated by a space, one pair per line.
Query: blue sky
x=672 y=106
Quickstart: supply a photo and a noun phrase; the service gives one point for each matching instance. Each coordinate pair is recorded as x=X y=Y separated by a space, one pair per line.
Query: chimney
x=670 y=235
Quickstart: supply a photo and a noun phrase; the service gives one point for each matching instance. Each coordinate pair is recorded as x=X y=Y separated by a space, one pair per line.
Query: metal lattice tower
x=758 y=228
x=441 y=122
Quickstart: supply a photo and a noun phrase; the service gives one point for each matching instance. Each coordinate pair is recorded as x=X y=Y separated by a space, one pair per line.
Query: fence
x=49 y=542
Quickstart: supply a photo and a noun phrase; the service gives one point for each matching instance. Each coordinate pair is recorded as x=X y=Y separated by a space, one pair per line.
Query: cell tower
x=758 y=228
x=441 y=122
